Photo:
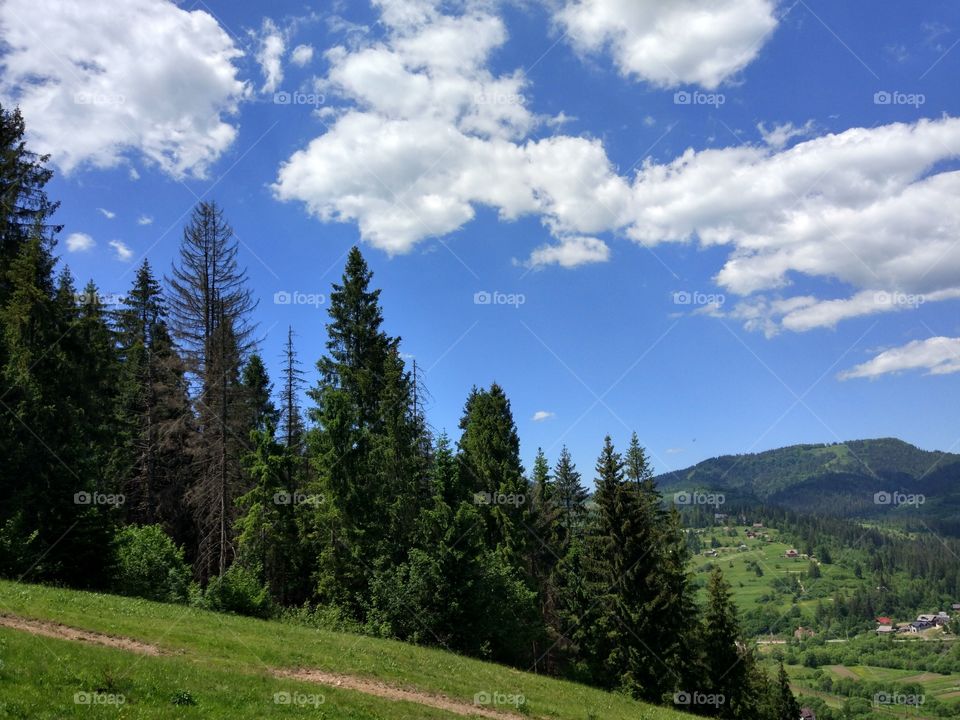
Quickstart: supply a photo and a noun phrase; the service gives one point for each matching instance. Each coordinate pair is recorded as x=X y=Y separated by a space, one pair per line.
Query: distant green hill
x=838 y=479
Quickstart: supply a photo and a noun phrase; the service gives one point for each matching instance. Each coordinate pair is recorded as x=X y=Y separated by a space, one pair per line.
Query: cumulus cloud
x=108 y=214
x=425 y=133
x=541 y=415
x=937 y=355
x=301 y=55
x=429 y=132
x=79 y=242
x=571 y=252
x=269 y=55
x=122 y=252
x=123 y=77
x=703 y=42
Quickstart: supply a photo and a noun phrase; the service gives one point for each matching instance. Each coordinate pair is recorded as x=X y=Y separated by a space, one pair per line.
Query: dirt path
x=389 y=692
x=367 y=686
x=62 y=632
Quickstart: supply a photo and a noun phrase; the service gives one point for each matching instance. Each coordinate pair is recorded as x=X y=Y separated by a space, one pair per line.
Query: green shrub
x=239 y=590
x=148 y=564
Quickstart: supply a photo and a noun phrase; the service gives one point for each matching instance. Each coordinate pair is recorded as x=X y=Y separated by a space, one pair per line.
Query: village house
x=955 y=606
x=884 y=620
x=791 y=553
x=807 y=714
x=884 y=629
x=801 y=632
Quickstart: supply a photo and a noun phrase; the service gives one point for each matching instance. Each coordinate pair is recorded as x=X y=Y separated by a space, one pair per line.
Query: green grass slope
x=223 y=664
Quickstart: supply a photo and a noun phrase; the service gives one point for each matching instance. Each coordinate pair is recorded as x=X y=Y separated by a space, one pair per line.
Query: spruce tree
x=627 y=645
x=729 y=664
x=490 y=467
x=364 y=445
x=787 y=707
x=151 y=452
x=49 y=521
x=25 y=210
x=257 y=393
x=210 y=307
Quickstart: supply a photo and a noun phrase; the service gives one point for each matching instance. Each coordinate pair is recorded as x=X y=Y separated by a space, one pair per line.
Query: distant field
x=225 y=665
x=944 y=688
x=749 y=588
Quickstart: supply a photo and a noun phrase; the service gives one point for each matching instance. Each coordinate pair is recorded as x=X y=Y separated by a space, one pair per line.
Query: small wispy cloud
x=79 y=242
x=675 y=451
x=301 y=55
x=124 y=253
x=108 y=214
x=144 y=220
x=541 y=415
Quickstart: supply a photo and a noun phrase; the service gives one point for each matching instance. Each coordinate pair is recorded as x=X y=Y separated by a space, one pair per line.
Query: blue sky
x=729 y=226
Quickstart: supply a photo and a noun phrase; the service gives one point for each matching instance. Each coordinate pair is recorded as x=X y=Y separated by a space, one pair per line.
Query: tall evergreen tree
x=25 y=210
x=210 y=308
x=729 y=663
x=151 y=452
x=570 y=495
x=627 y=645
x=490 y=467
x=257 y=392
x=364 y=445
x=50 y=524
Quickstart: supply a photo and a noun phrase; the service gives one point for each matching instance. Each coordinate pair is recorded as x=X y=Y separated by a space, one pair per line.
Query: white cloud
x=779 y=135
x=430 y=132
x=144 y=220
x=134 y=175
x=937 y=355
x=269 y=55
x=571 y=252
x=301 y=55
x=109 y=215
x=123 y=253
x=541 y=415
x=79 y=242
x=122 y=77
x=424 y=133
x=669 y=43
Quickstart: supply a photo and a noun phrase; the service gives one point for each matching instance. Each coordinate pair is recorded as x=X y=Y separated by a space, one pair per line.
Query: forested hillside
x=856 y=478
x=147 y=452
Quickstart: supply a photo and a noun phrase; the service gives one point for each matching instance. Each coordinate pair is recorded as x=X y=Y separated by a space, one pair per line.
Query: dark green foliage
x=239 y=590
x=150 y=457
x=365 y=446
x=148 y=564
